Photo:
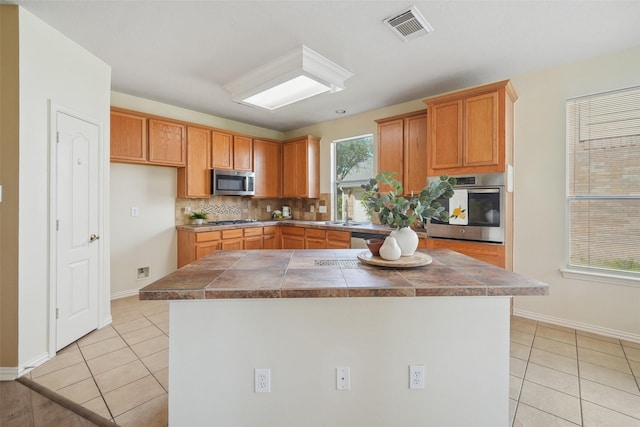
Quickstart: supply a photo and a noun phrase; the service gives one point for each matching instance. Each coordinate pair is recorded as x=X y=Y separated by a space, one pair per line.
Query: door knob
x=93 y=238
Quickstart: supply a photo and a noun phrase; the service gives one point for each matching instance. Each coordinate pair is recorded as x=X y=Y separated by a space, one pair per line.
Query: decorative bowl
x=374 y=246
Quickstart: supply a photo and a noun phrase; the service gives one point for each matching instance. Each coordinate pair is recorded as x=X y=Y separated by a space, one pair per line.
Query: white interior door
x=77 y=237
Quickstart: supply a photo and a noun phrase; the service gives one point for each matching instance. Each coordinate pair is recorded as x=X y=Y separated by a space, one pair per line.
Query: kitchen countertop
x=325 y=273
x=327 y=225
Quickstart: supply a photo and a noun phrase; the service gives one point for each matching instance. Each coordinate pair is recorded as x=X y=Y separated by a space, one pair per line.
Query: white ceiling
x=184 y=52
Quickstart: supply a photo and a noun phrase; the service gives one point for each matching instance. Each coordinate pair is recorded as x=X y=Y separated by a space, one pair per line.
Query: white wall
x=52 y=67
x=540 y=167
x=463 y=342
x=148 y=240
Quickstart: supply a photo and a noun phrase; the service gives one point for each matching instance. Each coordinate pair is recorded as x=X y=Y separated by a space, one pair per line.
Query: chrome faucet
x=345 y=214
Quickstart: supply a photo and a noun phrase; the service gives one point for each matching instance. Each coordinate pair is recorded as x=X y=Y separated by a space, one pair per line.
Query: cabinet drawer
x=314 y=233
x=269 y=230
x=207 y=236
x=297 y=231
x=253 y=231
x=343 y=236
x=232 y=234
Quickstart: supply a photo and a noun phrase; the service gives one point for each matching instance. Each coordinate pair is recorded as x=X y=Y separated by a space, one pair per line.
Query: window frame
x=351 y=183
x=574 y=271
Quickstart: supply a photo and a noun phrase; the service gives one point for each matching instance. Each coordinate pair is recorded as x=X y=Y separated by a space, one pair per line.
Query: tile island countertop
x=325 y=273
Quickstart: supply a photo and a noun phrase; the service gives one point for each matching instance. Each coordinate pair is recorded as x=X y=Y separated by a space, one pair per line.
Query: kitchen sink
x=349 y=224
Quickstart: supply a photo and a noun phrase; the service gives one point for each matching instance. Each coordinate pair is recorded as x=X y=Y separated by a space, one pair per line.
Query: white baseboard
x=124 y=294
x=105 y=321
x=613 y=333
x=9 y=374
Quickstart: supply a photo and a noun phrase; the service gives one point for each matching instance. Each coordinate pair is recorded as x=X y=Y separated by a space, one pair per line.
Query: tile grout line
x=579 y=380
x=524 y=374
x=549 y=388
x=635 y=379
x=138 y=358
x=96 y=383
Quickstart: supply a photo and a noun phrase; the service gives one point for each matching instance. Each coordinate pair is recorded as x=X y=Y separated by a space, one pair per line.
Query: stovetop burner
x=231 y=221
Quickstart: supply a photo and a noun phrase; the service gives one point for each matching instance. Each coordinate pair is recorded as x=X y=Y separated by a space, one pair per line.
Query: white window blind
x=603 y=181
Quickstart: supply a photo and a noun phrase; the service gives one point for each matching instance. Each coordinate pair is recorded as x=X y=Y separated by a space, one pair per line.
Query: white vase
x=390 y=249
x=407 y=240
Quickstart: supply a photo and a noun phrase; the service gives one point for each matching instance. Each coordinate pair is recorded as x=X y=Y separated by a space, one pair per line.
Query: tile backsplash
x=233 y=207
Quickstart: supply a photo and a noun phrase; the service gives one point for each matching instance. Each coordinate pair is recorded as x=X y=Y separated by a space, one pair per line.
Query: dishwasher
x=358 y=239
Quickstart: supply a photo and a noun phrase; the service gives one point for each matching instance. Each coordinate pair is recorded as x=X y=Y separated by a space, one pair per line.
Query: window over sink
x=353 y=166
x=603 y=184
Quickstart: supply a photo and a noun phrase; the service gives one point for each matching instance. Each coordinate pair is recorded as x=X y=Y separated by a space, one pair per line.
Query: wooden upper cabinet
x=481 y=130
x=301 y=167
x=415 y=157
x=402 y=148
x=446 y=129
x=471 y=131
x=221 y=150
x=390 y=148
x=229 y=151
x=128 y=137
x=242 y=153
x=194 y=179
x=167 y=143
x=267 y=165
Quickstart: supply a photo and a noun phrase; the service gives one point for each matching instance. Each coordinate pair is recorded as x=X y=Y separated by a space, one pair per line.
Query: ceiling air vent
x=409 y=24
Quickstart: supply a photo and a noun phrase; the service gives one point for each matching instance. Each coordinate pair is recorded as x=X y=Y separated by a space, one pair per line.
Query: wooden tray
x=418 y=259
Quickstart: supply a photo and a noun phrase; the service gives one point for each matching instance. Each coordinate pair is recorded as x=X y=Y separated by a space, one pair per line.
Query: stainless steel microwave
x=228 y=182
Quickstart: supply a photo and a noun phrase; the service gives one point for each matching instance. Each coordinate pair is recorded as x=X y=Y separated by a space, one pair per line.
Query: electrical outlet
x=187 y=210
x=322 y=209
x=312 y=208
x=343 y=380
x=268 y=208
x=134 y=211
x=262 y=380
x=416 y=377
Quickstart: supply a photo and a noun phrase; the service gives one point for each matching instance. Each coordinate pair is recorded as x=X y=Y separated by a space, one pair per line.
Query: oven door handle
x=483 y=190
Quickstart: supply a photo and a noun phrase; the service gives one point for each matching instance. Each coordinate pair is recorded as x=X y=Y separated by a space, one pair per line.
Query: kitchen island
x=303 y=313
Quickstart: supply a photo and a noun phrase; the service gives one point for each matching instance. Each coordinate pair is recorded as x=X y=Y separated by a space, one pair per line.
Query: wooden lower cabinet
x=192 y=246
x=488 y=252
x=253 y=238
x=292 y=237
x=232 y=239
x=338 y=239
x=315 y=238
x=270 y=238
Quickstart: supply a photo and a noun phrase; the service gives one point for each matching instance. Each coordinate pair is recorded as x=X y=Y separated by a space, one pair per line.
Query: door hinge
x=58 y=137
x=57 y=225
x=57 y=313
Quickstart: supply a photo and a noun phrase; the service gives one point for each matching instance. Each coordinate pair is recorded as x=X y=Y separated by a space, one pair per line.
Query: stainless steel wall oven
x=477 y=210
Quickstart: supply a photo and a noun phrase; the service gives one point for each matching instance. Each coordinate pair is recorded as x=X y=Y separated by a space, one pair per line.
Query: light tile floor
x=558 y=376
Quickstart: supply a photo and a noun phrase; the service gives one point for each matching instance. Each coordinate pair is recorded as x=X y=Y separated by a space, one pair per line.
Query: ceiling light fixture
x=298 y=75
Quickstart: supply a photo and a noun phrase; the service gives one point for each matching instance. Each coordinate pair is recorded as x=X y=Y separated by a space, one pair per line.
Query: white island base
x=463 y=343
